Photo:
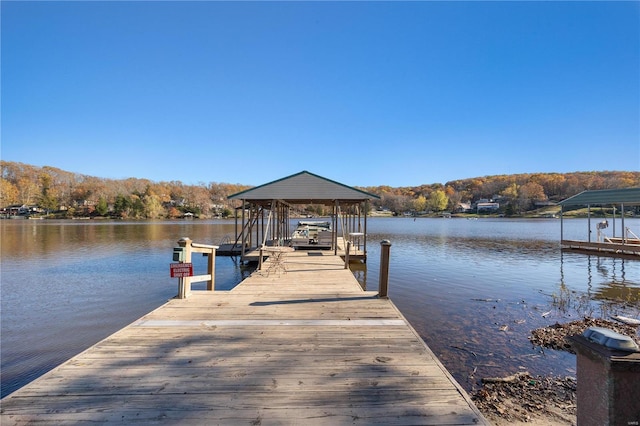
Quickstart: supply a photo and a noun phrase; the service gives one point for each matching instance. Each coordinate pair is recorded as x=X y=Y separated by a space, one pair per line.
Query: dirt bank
x=523 y=398
x=554 y=336
x=551 y=401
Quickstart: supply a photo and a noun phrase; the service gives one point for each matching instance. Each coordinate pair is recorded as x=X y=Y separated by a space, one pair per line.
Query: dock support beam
x=383 y=288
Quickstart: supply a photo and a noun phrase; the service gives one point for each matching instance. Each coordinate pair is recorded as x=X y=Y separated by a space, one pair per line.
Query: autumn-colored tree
x=420 y=203
x=527 y=195
x=533 y=191
x=174 y=213
x=455 y=197
x=397 y=203
x=50 y=188
x=510 y=192
x=8 y=193
x=27 y=190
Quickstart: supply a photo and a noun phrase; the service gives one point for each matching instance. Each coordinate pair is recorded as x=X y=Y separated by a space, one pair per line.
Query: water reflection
x=359 y=271
x=66 y=285
x=608 y=291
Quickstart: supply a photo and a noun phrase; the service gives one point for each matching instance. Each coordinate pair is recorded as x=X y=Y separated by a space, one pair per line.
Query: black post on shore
x=383 y=288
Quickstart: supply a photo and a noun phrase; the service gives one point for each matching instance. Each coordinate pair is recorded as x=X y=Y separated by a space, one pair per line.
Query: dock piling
x=346 y=255
x=383 y=287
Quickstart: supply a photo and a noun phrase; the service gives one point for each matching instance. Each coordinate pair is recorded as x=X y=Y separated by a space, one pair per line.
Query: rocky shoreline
x=554 y=336
x=523 y=398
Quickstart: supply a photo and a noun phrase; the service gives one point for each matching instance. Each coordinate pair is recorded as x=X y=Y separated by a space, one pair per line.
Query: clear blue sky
x=365 y=93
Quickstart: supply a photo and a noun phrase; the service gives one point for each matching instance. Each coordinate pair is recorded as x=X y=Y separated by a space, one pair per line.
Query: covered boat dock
x=268 y=210
x=622 y=242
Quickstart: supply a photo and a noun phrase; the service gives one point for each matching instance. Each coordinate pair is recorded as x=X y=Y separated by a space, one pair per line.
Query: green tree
x=47 y=200
x=137 y=207
x=102 y=208
x=438 y=200
x=152 y=207
x=121 y=206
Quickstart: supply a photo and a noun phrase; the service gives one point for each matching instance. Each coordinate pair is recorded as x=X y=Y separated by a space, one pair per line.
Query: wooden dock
x=614 y=247
x=297 y=343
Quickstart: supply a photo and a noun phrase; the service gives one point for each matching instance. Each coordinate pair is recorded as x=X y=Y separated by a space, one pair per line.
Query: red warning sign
x=181 y=270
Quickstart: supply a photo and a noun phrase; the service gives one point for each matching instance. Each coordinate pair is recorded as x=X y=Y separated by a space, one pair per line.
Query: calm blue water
x=473 y=289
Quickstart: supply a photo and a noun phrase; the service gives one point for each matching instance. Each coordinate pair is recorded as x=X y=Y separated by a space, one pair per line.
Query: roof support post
x=235 y=218
x=262 y=228
x=242 y=231
x=613 y=230
x=624 y=230
x=561 y=224
x=589 y=222
x=334 y=236
x=366 y=213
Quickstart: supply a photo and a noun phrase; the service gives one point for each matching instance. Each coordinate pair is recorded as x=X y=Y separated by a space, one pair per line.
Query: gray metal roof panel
x=303 y=186
x=627 y=196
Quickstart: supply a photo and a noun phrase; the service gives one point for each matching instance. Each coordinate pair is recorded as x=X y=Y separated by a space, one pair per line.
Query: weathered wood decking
x=299 y=344
x=613 y=247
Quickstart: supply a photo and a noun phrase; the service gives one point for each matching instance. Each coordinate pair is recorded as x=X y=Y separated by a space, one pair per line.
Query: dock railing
x=188 y=248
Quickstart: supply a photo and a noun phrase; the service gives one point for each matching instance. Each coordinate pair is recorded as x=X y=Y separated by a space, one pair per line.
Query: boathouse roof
x=304 y=188
x=627 y=196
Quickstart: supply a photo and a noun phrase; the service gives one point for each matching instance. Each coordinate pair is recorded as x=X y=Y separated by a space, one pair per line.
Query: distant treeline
x=49 y=190
x=516 y=193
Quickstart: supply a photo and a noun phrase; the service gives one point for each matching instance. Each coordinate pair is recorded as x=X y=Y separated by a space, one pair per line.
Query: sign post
x=182 y=268
x=181 y=271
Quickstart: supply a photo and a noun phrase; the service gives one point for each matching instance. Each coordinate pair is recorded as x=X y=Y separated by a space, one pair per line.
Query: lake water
x=473 y=289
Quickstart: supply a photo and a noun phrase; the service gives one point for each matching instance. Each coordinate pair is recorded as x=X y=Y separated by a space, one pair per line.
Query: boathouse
x=622 y=241
x=268 y=214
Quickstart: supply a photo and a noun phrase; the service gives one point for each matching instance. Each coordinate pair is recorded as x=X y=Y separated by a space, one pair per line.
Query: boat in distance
x=312 y=235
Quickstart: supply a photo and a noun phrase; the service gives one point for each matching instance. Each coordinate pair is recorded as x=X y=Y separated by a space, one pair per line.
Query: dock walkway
x=302 y=344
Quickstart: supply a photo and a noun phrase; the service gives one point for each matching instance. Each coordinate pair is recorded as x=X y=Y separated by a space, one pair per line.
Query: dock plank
x=305 y=345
